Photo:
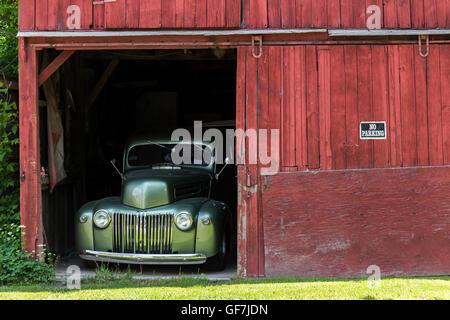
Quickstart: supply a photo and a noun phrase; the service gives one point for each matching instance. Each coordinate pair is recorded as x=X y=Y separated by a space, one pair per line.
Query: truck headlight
x=102 y=219
x=184 y=221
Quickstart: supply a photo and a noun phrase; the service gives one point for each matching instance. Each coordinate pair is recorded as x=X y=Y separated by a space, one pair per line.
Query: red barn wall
x=132 y=14
x=346 y=13
x=157 y=14
x=318 y=95
x=322 y=218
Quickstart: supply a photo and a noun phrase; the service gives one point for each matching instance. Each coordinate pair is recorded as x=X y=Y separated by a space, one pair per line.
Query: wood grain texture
x=116 y=14
x=30 y=186
x=312 y=108
x=445 y=89
x=258 y=14
x=27 y=13
x=337 y=223
x=150 y=14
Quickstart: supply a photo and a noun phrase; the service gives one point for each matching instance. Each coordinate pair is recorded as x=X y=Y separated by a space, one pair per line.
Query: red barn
x=359 y=89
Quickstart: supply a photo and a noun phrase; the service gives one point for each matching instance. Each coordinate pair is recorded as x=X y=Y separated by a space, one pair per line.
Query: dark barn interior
x=106 y=96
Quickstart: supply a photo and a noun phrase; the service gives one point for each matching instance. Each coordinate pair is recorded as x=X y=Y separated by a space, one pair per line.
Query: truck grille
x=142 y=233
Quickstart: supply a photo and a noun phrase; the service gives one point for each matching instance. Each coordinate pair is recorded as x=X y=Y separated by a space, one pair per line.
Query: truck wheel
x=218 y=262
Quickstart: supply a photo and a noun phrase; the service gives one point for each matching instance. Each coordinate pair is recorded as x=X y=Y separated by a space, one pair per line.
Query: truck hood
x=149 y=188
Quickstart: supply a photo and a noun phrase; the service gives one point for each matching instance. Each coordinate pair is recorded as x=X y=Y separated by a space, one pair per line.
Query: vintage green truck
x=165 y=214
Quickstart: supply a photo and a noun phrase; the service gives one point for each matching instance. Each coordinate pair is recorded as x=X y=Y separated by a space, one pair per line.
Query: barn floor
x=150 y=272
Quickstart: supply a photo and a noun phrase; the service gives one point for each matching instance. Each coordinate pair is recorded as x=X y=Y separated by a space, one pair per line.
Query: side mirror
x=113 y=162
x=227 y=162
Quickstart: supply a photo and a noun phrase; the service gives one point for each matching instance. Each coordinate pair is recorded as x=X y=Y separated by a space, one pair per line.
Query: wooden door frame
x=250 y=246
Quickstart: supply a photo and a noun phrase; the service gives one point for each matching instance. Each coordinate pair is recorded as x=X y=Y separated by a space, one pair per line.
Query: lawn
x=184 y=288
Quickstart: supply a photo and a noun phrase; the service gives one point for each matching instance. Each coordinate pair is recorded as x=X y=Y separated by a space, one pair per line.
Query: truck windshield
x=157 y=154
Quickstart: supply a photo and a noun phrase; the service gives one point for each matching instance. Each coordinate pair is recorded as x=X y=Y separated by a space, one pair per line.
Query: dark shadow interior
x=156 y=89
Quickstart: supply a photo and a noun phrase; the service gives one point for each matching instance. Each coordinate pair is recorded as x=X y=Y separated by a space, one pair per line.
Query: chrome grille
x=142 y=233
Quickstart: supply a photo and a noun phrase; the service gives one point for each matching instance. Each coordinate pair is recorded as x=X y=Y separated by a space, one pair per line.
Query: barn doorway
x=141 y=89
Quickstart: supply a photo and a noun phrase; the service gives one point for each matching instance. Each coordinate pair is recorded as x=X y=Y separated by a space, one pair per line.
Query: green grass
x=184 y=288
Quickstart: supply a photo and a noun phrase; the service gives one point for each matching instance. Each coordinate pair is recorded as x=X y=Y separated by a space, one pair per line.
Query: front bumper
x=148 y=259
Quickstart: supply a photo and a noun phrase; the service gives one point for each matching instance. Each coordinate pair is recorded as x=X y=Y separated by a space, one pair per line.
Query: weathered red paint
x=315 y=91
x=30 y=182
x=145 y=14
x=338 y=223
x=344 y=86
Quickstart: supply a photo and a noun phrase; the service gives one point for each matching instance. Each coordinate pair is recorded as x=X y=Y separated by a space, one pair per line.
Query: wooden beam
x=101 y=83
x=54 y=65
x=30 y=176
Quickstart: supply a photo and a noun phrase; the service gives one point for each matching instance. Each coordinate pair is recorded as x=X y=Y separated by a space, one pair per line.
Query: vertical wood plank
x=274 y=13
x=390 y=14
x=407 y=100
x=233 y=13
x=115 y=14
x=189 y=14
x=288 y=111
x=430 y=13
x=306 y=10
x=168 y=14
x=445 y=91
x=351 y=107
x=334 y=14
x=365 y=102
x=395 y=132
x=442 y=12
x=30 y=187
x=434 y=107
x=215 y=13
x=133 y=14
x=41 y=15
x=99 y=16
x=380 y=100
x=359 y=13
x=253 y=234
x=240 y=124
x=323 y=57
x=346 y=12
x=319 y=13
x=26 y=15
x=263 y=95
x=179 y=13
x=338 y=128
x=404 y=13
x=301 y=138
x=275 y=92
x=61 y=18
x=240 y=100
x=288 y=14
x=150 y=12
x=256 y=14
x=200 y=13
x=417 y=14
x=52 y=14
x=420 y=72
x=312 y=108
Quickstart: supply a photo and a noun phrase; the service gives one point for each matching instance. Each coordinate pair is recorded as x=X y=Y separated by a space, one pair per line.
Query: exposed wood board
x=333 y=224
x=30 y=183
x=54 y=65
